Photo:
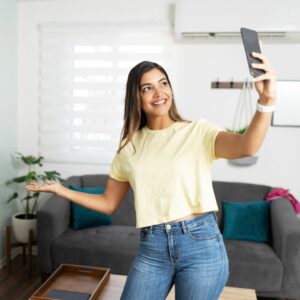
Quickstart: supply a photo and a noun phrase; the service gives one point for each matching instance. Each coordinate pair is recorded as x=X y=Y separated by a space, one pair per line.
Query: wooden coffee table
x=98 y=281
x=113 y=290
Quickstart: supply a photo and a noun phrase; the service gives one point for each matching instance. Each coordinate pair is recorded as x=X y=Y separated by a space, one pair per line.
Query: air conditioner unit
x=220 y=19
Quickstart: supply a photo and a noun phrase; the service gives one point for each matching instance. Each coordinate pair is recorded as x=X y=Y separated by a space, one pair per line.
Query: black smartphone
x=251 y=44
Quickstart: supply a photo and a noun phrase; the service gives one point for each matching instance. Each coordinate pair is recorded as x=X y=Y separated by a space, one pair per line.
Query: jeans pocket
x=205 y=230
x=144 y=233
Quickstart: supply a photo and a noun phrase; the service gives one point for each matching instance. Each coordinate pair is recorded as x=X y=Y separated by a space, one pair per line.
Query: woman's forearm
x=229 y=145
x=91 y=201
x=106 y=203
x=266 y=87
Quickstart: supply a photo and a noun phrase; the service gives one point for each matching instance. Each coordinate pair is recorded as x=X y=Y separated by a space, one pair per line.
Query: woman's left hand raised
x=265 y=84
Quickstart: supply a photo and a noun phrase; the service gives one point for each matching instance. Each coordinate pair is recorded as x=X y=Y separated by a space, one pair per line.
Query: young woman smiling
x=167 y=162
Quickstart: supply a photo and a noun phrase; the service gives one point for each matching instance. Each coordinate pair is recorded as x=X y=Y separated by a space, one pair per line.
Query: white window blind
x=83 y=72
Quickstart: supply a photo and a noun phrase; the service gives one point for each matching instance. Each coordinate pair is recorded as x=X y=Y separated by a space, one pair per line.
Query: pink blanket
x=278 y=193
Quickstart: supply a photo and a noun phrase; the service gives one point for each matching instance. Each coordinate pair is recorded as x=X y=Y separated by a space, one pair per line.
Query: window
x=83 y=72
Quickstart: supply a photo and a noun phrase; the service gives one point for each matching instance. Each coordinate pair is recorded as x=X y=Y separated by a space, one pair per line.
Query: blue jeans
x=190 y=254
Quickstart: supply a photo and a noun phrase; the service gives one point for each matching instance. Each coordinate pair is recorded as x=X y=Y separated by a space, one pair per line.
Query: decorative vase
x=21 y=226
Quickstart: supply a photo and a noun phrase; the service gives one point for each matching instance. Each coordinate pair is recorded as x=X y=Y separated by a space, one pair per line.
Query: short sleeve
x=210 y=132
x=117 y=168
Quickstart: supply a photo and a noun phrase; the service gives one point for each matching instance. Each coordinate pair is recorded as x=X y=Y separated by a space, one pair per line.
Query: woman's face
x=156 y=94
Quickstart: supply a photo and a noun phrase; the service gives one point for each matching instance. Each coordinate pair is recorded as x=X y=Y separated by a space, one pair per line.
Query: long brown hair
x=134 y=116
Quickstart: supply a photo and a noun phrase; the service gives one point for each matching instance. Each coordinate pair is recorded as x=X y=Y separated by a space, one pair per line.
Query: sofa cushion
x=82 y=217
x=113 y=246
x=248 y=221
x=237 y=192
x=253 y=265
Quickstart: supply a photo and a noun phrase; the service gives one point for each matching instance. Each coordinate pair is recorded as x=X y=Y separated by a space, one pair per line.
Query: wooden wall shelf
x=228 y=84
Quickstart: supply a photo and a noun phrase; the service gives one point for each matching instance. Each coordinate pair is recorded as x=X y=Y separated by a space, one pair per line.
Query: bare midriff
x=191 y=216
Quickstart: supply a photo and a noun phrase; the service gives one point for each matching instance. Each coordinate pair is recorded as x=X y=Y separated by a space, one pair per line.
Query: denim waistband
x=182 y=225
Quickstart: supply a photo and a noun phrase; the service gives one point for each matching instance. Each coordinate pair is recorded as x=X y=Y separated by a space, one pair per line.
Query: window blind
x=82 y=77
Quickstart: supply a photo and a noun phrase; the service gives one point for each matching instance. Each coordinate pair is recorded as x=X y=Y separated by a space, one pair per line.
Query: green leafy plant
x=31 y=175
x=239 y=131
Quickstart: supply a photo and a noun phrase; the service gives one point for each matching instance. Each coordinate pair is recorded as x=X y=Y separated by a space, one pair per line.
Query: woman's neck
x=157 y=124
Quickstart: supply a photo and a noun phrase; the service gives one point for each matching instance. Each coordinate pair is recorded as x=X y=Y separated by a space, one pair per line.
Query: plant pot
x=244 y=161
x=21 y=226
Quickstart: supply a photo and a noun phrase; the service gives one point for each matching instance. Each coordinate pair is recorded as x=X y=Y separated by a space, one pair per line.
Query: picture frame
x=287 y=112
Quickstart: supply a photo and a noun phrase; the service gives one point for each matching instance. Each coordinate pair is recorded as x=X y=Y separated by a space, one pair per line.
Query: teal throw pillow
x=249 y=221
x=82 y=217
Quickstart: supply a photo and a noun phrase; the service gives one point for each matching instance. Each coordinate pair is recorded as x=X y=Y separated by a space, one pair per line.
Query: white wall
x=8 y=106
x=195 y=66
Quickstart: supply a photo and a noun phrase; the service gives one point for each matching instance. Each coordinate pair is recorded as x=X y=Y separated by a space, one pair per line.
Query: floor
x=20 y=286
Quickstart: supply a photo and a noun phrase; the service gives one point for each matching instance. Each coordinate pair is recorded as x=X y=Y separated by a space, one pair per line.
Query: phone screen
x=251 y=44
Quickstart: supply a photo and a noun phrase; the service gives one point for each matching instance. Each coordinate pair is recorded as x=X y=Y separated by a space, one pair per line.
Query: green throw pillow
x=249 y=221
x=82 y=217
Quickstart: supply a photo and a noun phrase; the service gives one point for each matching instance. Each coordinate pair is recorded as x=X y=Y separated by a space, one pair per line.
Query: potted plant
x=242 y=117
x=22 y=222
x=244 y=161
x=242 y=130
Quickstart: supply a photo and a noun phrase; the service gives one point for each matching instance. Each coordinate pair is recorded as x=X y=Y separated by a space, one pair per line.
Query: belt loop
x=183 y=227
x=150 y=230
x=215 y=217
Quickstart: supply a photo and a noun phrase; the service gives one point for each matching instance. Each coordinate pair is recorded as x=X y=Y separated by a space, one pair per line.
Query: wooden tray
x=74 y=278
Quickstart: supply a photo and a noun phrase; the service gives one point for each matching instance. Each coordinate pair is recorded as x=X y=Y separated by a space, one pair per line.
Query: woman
x=167 y=160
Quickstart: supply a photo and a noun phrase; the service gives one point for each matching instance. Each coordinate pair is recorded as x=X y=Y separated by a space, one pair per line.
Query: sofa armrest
x=53 y=218
x=286 y=243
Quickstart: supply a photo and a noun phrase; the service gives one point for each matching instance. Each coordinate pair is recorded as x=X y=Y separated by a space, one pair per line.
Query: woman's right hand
x=48 y=187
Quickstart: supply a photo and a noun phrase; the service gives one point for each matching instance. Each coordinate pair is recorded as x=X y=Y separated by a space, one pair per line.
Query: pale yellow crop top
x=170 y=172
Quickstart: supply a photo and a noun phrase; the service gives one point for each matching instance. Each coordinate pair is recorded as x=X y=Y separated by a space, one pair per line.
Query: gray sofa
x=272 y=270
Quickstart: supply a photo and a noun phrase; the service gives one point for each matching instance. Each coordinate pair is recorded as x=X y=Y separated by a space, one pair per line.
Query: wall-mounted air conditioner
x=212 y=19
